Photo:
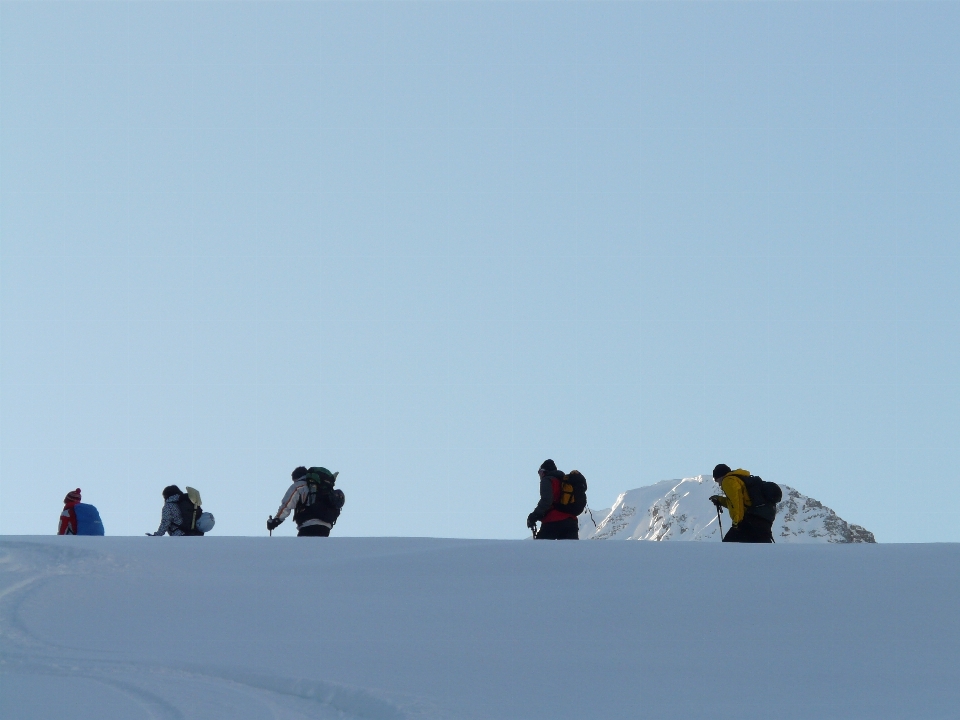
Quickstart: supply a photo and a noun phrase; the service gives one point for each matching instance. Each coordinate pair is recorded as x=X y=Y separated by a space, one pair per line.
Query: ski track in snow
x=152 y=689
x=392 y=628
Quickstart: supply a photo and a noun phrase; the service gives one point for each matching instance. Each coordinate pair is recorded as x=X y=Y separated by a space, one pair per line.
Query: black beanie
x=171 y=490
x=548 y=466
x=298 y=473
x=720 y=471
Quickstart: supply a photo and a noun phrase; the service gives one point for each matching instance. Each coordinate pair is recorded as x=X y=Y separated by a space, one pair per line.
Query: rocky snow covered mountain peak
x=681 y=510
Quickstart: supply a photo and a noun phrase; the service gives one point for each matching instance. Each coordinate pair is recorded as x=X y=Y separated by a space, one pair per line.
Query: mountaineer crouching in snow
x=180 y=513
x=79 y=518
x=312 y=500
x=68 y=518
x=170 y=518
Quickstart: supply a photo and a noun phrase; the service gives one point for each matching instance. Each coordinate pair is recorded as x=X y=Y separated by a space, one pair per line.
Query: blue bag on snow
x=88 y=520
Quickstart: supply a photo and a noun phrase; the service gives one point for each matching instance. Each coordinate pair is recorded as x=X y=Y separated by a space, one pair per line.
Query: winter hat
x=72 y=497
x=171 y=490
x=298 y=472
x=548 y=466
x=720 y=471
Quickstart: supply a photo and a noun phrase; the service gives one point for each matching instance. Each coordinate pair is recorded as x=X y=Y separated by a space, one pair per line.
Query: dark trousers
x=568 y=529
x=314 y=531
x=752 y=529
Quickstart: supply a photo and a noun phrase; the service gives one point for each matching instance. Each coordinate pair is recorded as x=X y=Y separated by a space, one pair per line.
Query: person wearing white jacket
x=314 y=511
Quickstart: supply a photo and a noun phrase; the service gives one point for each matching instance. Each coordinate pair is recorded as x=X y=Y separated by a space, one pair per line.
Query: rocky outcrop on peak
x=681 y=510
x=800 y=516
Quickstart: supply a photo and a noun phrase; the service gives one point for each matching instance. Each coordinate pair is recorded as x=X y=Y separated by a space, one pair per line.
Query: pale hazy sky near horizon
x=429 y=245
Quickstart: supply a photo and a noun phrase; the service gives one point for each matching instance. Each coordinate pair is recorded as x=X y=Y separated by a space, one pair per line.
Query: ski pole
x=534 y=531
x=719 y=523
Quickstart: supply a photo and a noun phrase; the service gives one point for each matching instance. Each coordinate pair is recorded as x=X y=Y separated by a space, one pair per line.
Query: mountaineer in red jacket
x=554 y=524
x=68 y=518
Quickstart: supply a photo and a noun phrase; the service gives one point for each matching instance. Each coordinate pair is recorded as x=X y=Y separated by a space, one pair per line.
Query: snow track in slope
x=40 y=679
x=442 y=629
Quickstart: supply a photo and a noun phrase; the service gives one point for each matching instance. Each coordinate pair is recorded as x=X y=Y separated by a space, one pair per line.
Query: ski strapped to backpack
x=764 y=497
x=190 y=512
x=323 y=501
x=573 y=494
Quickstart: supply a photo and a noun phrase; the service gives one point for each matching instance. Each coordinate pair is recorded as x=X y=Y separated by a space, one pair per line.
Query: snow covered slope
x=122 y=628
x=681 y=510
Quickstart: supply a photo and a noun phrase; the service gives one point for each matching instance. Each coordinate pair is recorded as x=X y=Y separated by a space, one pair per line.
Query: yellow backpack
x=573 y=493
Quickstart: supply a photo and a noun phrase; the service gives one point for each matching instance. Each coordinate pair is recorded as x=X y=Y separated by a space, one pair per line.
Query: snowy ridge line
x=681 y=510
x=458 y=634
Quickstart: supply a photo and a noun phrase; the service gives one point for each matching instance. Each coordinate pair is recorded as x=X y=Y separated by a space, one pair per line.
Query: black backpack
x=323 y=502
x=189 y=513
x=573 y=493
x=764 y=497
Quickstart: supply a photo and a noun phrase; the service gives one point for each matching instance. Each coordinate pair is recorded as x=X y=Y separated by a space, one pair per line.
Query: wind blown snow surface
x=681 y=510
x=384 y=629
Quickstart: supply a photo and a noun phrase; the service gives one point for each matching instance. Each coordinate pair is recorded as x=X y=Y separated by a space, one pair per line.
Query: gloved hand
x=717 y=500
x=531 y=521
x=273 y=523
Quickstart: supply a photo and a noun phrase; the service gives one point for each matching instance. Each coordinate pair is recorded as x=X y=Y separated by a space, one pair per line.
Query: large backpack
x=88 y=520
x=190 y=512
x=323 y=502
x=573 y=493
x=764 y=497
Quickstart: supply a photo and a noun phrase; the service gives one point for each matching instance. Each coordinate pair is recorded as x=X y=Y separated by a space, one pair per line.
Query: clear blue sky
x=429 y=245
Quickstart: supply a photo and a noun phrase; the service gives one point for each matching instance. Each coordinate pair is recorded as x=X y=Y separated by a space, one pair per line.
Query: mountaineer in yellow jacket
x=751 y=513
